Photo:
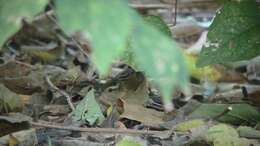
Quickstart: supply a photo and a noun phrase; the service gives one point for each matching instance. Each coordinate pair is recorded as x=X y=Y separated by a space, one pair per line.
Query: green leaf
x=88 y=110
x=188 y=125
x=166 y=58
x=11 y=12
x=49 y=141
x=234 y=34
x=160 y=57
x=128 y=55
x=159 y=24
x=240 y=113
x=248 y=132
x=107 y=26
x=223 y=135
x=9 y=101
x=127 y=141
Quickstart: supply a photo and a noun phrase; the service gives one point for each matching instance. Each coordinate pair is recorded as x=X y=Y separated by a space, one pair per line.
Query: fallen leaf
x=88 y=110
x=248 y=132
x=9 y=101
x=21 y=78
x=132 y=100
x=223 y=135
x=13 y=141
x=134 y=107
x=23 y=138
x=240 y=113
x=188 y=125
x=249 y=142
x=130 y=141
x=13 y=122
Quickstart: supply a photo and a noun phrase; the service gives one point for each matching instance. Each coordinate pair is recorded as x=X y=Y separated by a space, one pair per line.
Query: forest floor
x=52 y=94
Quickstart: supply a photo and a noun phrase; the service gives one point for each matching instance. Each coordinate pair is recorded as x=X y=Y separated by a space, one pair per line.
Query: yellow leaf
x=13 y=141
x=188 y=125
x=208 y=72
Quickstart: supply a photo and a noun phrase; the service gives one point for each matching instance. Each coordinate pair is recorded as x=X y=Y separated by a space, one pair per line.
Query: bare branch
x=60 y=91
x=102 y=130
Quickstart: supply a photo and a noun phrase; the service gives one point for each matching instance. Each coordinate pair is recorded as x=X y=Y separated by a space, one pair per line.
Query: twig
x=150 y=6
x=175 y=12
x=45 y=47
x=60 y=91
x=227 y=110
x=102 y=130
x=24 y=64
x=181 y=4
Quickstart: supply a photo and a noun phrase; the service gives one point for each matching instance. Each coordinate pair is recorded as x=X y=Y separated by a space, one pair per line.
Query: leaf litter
x=51 y=93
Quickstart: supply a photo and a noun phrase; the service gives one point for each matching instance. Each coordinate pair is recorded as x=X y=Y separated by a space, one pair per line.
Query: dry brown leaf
x=134 y=107
x=21 y=78
x=132 y=97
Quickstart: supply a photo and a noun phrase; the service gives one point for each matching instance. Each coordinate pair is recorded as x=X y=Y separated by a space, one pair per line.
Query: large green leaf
x=159 y=24
x=156 y=21
x=160 y=57
x=234 y=34
x=11 y=12
x=107 y=26
x=111 y=26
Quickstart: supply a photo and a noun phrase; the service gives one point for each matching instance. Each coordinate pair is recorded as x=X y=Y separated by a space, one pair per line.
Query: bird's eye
x=110 y=90
x=113 y=88
x=122 y=66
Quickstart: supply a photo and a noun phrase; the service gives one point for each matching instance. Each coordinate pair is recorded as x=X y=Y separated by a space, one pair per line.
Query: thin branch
x=150 y=6
x=181 y=4
x=24 y=64
x=102 y=130
x=226 y=111
x=60 y=91
x=175 y=12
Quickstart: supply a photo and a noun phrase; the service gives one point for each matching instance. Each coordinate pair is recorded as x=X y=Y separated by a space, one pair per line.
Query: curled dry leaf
x=13 y=122
x=21 y=78
x=23 y=137
x=9 y=101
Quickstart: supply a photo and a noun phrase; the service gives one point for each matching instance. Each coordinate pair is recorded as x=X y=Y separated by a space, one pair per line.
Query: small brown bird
x=126 y=76
x=124 y=79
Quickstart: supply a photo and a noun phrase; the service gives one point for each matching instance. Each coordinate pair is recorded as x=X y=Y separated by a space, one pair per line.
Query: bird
x=124 y=80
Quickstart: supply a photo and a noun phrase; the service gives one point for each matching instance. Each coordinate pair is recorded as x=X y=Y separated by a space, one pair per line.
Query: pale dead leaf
x=134 y=107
